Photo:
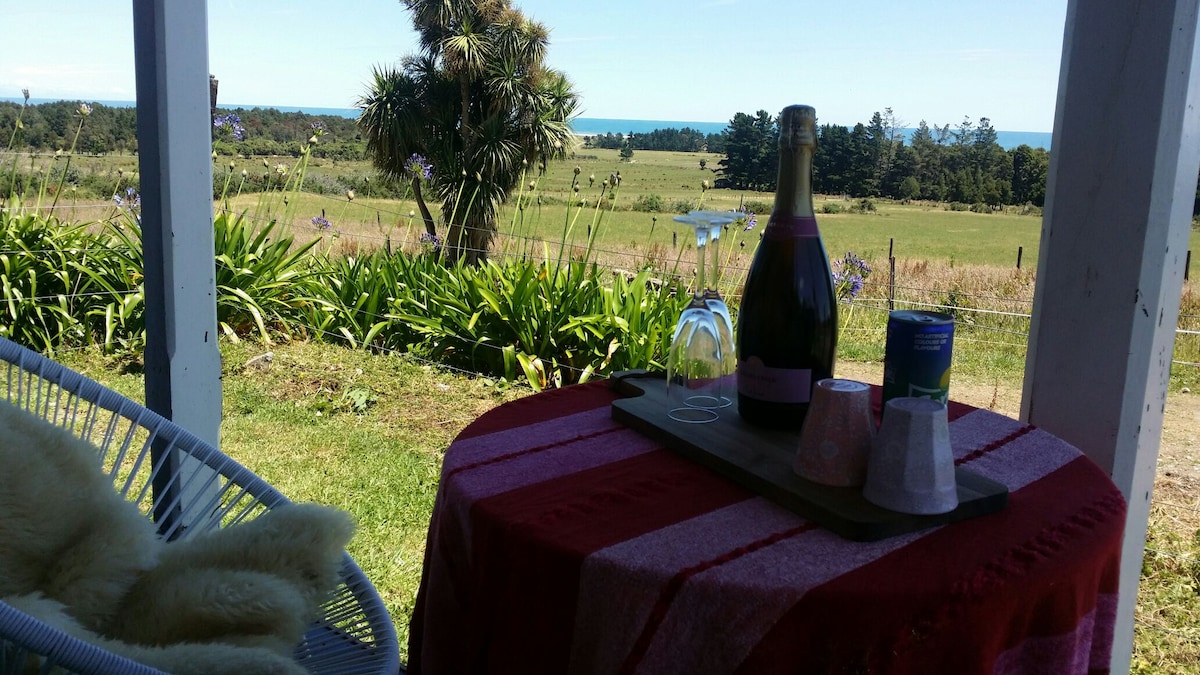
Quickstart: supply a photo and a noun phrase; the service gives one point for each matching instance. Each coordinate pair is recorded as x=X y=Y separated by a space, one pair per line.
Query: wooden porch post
x=183 y=364
x=1119 y=200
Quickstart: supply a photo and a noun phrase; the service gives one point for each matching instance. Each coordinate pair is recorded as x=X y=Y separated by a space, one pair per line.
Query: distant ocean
x=590 y=126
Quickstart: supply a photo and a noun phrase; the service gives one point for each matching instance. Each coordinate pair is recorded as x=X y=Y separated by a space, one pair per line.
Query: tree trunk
x=469 y=241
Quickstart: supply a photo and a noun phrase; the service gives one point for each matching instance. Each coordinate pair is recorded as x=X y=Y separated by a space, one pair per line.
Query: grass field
x=918 y=231
x=914 y=232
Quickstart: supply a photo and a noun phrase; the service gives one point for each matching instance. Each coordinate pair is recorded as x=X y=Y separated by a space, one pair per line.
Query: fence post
x=1020 y=250
x=891 y=274
x=1187 y=265
x=892 y=283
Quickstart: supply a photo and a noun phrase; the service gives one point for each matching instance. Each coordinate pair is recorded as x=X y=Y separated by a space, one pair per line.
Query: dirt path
x=1179 y=453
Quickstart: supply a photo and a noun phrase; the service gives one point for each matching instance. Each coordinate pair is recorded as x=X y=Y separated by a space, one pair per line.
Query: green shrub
x=864 y=205
x=652 y=203
x=1029 y=209
x=262 y=285
x=65 y=286
x=757 y=206
x=681 y=206
x=831 y=207
x=552 y=323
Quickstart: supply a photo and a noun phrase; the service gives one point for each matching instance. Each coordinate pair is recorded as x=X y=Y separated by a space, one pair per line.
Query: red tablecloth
x=564 y=542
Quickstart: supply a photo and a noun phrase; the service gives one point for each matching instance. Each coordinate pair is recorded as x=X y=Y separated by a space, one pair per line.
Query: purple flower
x=849 y=273
x=131 y=202
x=231 y=123
x=751 y=221
x=318 y=127
x=430 y=240
x=419 y=167
x=320 y=223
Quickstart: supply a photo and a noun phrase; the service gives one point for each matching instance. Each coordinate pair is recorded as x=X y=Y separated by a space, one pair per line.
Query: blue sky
x=674 y=60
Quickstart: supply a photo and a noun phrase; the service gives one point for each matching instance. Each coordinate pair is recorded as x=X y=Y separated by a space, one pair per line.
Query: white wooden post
x=183 y=364
x=1119 y=200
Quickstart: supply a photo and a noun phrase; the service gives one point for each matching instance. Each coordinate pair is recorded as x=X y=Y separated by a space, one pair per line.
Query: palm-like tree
x=479 y=103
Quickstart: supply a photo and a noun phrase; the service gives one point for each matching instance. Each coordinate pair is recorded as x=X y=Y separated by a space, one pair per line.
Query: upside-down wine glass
x=717 y=221
x=695 y=362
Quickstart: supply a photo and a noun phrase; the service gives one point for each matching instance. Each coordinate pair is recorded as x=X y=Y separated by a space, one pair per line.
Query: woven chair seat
x=208 y=490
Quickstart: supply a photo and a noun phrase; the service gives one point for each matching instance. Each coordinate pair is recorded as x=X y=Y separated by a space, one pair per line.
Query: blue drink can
x=916 y=360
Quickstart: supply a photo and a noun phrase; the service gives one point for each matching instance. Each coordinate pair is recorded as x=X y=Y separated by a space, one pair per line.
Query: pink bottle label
x=792 y=227
x=778 y=385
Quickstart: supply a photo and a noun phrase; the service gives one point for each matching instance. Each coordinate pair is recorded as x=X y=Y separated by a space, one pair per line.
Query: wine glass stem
x=716 y=262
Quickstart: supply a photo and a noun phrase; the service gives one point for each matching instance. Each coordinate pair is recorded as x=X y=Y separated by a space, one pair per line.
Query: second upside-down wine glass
x=695 y=362
x=717 y=221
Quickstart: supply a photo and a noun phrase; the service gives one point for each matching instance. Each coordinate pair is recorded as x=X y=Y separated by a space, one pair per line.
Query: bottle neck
x=793 y=191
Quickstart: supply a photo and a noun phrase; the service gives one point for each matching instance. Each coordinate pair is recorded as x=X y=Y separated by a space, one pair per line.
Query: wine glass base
x=690 y=415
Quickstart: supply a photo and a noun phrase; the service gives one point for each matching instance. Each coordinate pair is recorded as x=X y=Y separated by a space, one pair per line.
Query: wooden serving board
x=761 y=461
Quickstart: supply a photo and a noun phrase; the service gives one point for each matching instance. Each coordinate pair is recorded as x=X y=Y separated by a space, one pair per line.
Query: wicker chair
x=355 y=635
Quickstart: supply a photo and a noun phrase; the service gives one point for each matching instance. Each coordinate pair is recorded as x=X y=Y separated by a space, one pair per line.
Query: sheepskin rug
x=78 y=556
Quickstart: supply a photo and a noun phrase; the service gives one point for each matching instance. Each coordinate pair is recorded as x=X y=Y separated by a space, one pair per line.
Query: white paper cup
x=911 y=467
x=835 y=441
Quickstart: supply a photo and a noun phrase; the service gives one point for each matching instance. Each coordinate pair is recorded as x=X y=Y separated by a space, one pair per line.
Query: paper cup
x=835 y=441
x=911 y=467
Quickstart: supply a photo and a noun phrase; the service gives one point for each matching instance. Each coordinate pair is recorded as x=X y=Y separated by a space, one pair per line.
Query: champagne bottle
x=787 y=320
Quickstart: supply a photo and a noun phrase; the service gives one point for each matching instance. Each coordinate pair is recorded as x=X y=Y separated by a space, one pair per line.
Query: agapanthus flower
x=419 y=167
x=430 y=240
x=849 y=273
x=25 y=93
x=232 y=123
x=84 y=110
x=321 y=223
x=751 y=221
x=131 y=201
x=318 y=128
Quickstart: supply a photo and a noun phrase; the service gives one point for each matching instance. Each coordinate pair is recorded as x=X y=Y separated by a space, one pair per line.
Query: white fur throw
x=78 y=556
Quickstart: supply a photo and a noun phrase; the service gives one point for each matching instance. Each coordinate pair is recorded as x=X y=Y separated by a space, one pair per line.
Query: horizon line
x=302 y=108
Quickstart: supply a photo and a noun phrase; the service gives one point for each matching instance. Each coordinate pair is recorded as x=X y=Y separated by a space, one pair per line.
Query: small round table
x=564 y=542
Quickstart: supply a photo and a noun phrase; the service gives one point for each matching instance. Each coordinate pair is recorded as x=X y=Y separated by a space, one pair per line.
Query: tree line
x=963 y=163
x=48 y=127
x=686 y=139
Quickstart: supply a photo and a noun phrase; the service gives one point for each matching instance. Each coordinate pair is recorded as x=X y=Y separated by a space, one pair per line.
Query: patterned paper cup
x=835 y=441
x=911 y=468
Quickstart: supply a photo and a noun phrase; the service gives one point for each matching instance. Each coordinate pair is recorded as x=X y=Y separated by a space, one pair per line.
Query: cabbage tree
x=467 y=117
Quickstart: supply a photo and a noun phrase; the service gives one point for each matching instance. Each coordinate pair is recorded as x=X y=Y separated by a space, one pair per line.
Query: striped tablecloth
x=564 y=542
